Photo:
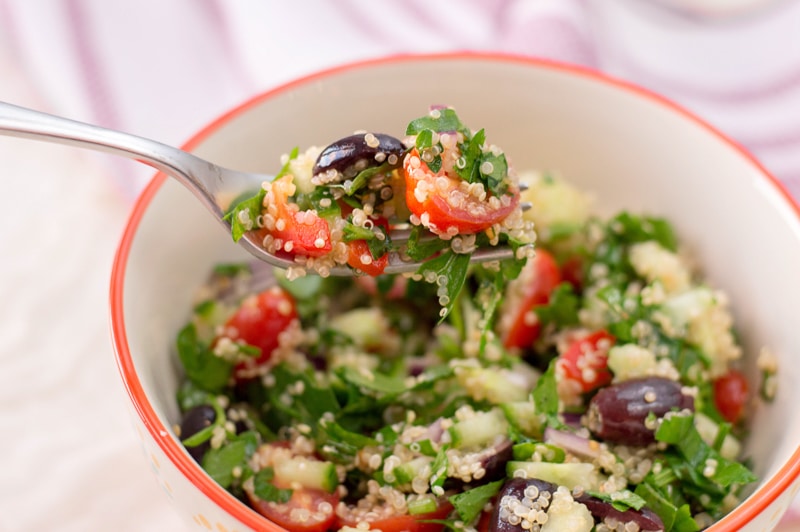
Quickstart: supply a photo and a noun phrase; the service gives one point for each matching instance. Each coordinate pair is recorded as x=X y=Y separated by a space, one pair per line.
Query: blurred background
x=70 y=458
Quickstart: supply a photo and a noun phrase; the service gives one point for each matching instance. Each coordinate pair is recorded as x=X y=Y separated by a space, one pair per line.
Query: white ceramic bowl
x=630 y=148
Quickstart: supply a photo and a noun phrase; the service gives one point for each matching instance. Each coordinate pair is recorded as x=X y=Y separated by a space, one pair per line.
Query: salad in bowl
x=591 y=382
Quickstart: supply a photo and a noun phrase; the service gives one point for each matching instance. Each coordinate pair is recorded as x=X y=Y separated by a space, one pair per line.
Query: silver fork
x=213 y=185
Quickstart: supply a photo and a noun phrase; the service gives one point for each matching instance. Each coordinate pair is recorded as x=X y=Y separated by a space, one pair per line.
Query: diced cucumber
x=493 y=384
x=567 y=514
x=307 y=472
x=523 y=417
x=708 y=429
x=571 y=474
x=549 y=453
x=407 y=472
x=424 y=505
x=301 y=168
x=367 y=327
x=478 y=430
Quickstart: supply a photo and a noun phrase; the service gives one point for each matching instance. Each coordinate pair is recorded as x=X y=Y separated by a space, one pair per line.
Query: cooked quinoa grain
x=569 y=388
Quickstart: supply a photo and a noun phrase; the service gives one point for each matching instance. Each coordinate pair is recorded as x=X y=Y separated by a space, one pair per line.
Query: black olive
x=350 y=155
x=618 y=412
x=493 y=464
x=646 y=519
x=515 y=487
x=194 y=421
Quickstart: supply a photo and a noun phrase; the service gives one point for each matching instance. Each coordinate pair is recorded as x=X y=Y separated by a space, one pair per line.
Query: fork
x=211 y=184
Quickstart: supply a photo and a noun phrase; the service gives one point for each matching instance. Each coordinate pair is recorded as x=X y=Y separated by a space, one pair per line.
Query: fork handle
x=16 y=121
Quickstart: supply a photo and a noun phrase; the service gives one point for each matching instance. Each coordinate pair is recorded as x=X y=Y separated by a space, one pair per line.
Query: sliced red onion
x=572 y=443
x=646 y=519
x=435 y=431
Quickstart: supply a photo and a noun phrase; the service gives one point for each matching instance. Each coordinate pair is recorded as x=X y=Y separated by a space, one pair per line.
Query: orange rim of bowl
x=163 y=435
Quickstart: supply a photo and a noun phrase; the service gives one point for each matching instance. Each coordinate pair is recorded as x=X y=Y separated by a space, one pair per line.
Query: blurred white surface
x=71 y=460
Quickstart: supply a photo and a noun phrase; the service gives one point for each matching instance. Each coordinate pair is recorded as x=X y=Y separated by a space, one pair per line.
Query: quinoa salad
x=333 y=207
x=593 y=384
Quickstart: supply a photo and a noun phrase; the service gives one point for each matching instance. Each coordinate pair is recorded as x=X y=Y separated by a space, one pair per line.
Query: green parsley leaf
x=680 y=431
x=469 y=168
x=265 y=490
x=633 y=229
x=338 y=444
x=419 y=247
x=496 y=180
x=243 y=216
x=439 y=469
x=446 y=121
x=545 y=395
x=202 y=366
x=677 y=518
x=220 y=462
x=374 y=381
x=363 y=177
x=562 y=307
x=622 y=500
x=469 y=504
x=454 y=267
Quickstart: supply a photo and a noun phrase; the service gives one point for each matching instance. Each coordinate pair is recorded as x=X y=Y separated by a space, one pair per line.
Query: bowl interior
x=630 y=149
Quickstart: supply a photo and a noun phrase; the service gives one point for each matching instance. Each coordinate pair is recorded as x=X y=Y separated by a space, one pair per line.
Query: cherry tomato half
x=308 y=510
x=259 y=320
x=301 y=232
x=360 y=257
x=730 y=395
x=410 y=523
x=540 y=276
x=585 y=361
x=442 y=201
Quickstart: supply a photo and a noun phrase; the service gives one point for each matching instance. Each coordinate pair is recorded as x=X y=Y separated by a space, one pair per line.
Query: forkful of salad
x=369 y=203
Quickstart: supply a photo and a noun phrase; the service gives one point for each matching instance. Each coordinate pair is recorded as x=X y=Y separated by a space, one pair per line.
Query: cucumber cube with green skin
x=479 y=430
x=308 y=472
x=571 y=474
x=547 y=452
x=406 y=473
x=523 y=417
x=493 y=385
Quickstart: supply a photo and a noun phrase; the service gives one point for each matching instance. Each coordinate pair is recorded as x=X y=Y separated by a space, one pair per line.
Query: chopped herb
x=220 y=463
x=545 y=396
x=561 y=310
x=202 y=366
x=421 y=245
x=265 y=490
x=469 y=504
x=622 y=500
x=205 y=434
x=454 y=267
x=446 y=121
x=244 y=215
x=679 y=430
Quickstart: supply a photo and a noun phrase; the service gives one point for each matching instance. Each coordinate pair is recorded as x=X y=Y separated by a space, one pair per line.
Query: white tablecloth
x=69 y=456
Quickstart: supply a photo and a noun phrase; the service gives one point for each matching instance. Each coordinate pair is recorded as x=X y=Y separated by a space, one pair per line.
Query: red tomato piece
x=730 y=395
x=360 y=257
x=259 y=320
x=539 y=277
x=300 y=232
x=410 y=523
x=443 y=202
x=585 y=361
x=571 y=272
x=358 y=251
x=308 y=510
